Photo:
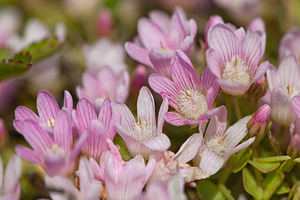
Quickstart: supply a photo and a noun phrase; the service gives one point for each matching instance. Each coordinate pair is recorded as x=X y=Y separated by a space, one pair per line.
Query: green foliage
x=207 y=190
x=251 y=185
x=265 y=167
x=241 y=159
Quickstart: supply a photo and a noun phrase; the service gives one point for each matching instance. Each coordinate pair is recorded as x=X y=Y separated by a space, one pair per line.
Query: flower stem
x=236 y=107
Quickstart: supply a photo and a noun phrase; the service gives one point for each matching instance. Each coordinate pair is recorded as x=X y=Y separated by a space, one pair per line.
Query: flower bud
x=105 y=23
x=258 y=89
x=260 y=121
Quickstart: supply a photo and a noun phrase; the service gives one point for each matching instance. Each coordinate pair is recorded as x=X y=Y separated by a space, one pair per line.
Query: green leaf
x=43 y=49
x=272 y=182
x=18 y=65
x=226 y=192
x=241 y=160
x=207 y=190
x=4 y=54
x=250 y=185
x=273 y=159
x=297 y=160
x=265 y=167
x=284 y=188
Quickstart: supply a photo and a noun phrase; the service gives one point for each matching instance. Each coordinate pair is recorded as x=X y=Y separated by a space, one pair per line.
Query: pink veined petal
x=123 y=87
x=151 y=35
x=96 y=141
x=161 y=19
x=210 y=113
x=289 y=71
x=240 y=34
x=85 y=174
x=68 y=100
x=261 y=70
x=108 y=80
x=257 y=24
x=210 y=162
x=214 y=62
x=176 y=119
x=63 y=135
x=46 y=105
x=91 y=87
x=192 y=28
x=217 y=124
x=164 y=87
x=161 y=60
x=224 y=41
x=12 y=174
x=60 y=183
x=238 y=148
x=235 y=133
x=273 y=78
x=161 y=115
x=80 y=142
x=233 y=88
x=127 y=119
x=55 y=164
x=22 y=113
x=176 y=187
x=146 y=107
x=177 y=27
x=183 y=72
x=281 y=110
x=106 y=117
x=296 y=105
x=93 y=191
x=213 y=20
x=151 y=164
x=138 y=53
x=186 y=45
x=37 y=137
x=97 y=170
x=84 y=113
x=189 y=149
x=252 y=51
x=208 y=80
x=158 y=143
x=28 y=154
x=156 y=190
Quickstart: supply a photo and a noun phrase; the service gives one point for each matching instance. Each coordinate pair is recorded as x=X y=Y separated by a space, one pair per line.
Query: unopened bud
x=105 y=23
x=258 y=89
x=260 y=121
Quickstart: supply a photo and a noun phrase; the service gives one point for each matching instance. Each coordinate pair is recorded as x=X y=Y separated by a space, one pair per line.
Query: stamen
x=218 y=145
x=51 y=123
x=143 y=131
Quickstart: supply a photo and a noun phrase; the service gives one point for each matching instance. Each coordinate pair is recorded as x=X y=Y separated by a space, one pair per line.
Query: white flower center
x=218 y=145
x=143 y=131
x=56 y=150
x=192 y=104
x=292 y=91
x=236 y=71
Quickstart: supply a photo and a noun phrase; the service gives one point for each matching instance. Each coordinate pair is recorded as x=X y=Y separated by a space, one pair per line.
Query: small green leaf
x=15 y=66
x=265 y=167
x=272 y=182
x=241 y=160
x=284 y=188
x=207 y=190
x=4 y=54
x=273 y=159
x=250 y=185
x=297 y=160
x=43 y=49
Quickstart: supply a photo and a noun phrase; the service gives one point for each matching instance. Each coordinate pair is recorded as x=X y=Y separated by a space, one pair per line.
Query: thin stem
x=236 y=107
x=226 y=192
x=228 y=107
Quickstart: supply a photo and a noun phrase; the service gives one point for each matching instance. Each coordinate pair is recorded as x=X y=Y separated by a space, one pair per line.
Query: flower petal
x=84 y=113
x=46 y=105
x=210 y=162
x=138 y=53
x=68 y=100
x=22 y=113
x=146 y=107
x=161 y=115
x=158 y=143
x=28 y=154
x=161 y=61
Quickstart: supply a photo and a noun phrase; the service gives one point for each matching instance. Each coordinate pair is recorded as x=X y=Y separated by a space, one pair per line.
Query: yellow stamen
x=51 y=123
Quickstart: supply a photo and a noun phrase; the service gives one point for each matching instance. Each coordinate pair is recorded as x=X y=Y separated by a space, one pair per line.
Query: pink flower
x=289 y=44
x=10 y=187
x=123 y=180
x=159 y=37
x=192 y=99
x=90 y=188
x=283 y=86
x=8 y=90
x=53 y=152
x=48 y=110
x=159 y=190
x=105 y=22
x=143 y=137
x=98 y=128
x=139 y=78
x=105 y=83
x=233 y=57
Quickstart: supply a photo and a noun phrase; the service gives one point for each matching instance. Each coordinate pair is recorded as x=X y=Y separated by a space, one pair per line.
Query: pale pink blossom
x=97 y=86
x=289 y=44
x=261 y=117
x=159 y=37
x=90 y=188
x=10 y=188
x=234 y=54
x=284 y=86
x=191 y=97
x=105 y=22
x=144 y=136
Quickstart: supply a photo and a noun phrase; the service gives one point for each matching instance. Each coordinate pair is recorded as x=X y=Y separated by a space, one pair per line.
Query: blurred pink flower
x=48 y=110
x=159 y=190
x=98 y=129
x=105 y=22
x=233 y=57
x=8 y=90
x=143 y=137
x=54 y=153
x=102 y=84
x=284 y=86
x=139 y=78
x=159 y=37
x=104 y=53
x=123 y=180
x=192 y=99
x=290 y=43
x=10 y=187
x=90 y=188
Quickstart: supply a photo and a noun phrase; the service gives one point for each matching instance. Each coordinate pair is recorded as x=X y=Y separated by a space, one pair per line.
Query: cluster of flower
x=67 y=141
